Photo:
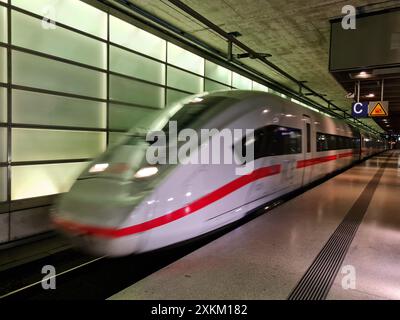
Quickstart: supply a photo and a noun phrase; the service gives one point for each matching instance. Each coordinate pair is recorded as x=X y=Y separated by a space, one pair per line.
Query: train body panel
x=293 y=146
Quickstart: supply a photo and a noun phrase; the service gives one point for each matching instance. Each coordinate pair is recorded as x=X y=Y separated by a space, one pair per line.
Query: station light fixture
x=361 y=75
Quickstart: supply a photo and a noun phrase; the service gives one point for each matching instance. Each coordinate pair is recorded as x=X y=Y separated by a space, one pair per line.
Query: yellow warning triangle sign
x=378 y=111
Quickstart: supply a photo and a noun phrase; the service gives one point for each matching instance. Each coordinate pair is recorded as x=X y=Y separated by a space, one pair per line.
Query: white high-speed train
x=122 y=205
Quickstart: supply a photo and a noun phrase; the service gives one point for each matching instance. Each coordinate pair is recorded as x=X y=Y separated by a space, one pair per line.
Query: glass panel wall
x=241 y=82
x=3 y=24
x=185 y=59
x=3 y=64
x=131 y=37
x=136 y=92
x=66 y=106
x=127 y=117
x=259 y=87
x=28 y=32
x=174 y=96
x=135 y=65
x=33 y=71
x=3 y=104
x=41 y=145
x=213 y=86
x=183 y=80
x=3 y=144
x=46 y=109
x=42 y=180
x=218 y=73
x=3 y=184
x=73 y=13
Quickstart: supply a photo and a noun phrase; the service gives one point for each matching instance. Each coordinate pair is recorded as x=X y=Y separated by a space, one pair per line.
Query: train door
x=307 y=151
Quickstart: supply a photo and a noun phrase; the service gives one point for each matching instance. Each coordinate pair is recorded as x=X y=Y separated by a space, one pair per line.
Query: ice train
x=122 y=205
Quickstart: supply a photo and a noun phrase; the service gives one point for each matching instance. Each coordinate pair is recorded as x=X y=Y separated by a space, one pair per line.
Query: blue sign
x=359 y=109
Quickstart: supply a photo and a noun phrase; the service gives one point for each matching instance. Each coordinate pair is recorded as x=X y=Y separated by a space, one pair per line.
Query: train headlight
x=146 y=172
x=99 y=167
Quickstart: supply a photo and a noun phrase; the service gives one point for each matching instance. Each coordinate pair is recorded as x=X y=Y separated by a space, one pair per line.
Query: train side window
x=258 y=143
x=308 y=138
x=327 y=142
x=332 y=145
x=322 y=142
x=284 y=140
x=273 y=141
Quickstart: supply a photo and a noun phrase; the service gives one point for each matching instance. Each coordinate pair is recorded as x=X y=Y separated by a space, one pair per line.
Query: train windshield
x=191 y=115
x=193 y=111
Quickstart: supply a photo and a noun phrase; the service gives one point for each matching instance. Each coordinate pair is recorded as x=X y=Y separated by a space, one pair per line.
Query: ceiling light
x=361 y=75
x=370 y=95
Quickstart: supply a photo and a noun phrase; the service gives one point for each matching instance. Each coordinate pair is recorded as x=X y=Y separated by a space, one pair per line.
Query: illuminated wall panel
x=3 y=104
x=28 y=32
x=127 y=117
x=131 y=37
x=218 y=73
x=3 y=64
x=185 y=59
x=3 y=144
x=259 y=87
x=136 y=92
x=3 y=184
x=134 y=65
x=241 y=82
x=174 y=96
x=33 y=71
x=212 y=86
x=38 y=145
x=3 y=24
x=185 y=81
x=59 y=109
x=41 y=180
x=37 y=108
x=73 y=13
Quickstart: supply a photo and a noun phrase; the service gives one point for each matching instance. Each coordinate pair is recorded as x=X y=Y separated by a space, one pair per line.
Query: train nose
x=103 y=246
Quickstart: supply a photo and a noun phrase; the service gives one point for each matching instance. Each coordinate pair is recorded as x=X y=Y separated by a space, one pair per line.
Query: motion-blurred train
x=122 y=205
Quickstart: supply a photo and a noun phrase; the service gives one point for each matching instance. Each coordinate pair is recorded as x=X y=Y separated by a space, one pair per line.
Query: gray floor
x=266 y=258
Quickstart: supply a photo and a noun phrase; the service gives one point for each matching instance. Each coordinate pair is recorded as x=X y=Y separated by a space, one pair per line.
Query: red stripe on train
x=175 y=215
x=314 y=161
x=194 y=206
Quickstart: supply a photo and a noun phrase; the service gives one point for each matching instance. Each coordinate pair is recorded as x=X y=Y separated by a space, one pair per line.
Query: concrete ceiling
x=295 y=32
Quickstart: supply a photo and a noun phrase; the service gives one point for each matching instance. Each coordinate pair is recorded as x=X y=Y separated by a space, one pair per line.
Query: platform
x=339 y=240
